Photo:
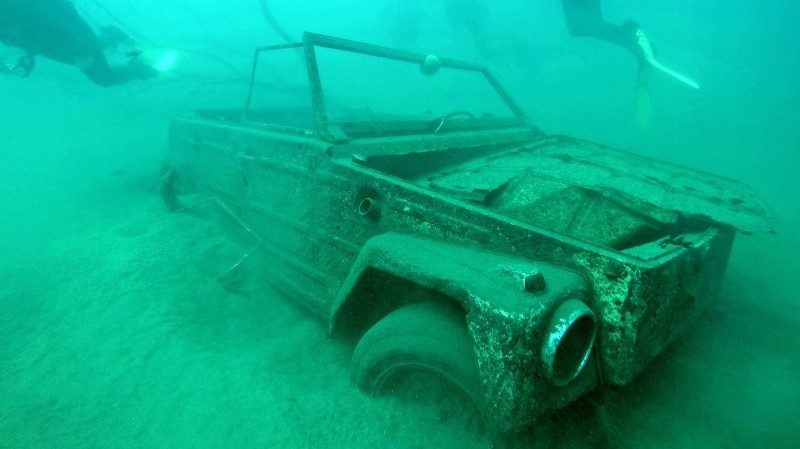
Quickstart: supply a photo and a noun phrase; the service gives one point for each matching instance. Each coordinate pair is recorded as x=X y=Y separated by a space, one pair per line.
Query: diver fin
x=647 y=50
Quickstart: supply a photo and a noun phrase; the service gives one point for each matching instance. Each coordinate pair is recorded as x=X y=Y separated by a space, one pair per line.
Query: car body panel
x=357 y=219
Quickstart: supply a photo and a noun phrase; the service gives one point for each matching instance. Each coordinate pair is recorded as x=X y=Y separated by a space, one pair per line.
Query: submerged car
x=407 y=200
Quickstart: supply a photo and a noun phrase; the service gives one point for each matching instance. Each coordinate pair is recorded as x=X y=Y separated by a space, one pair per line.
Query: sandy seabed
x=115 y=332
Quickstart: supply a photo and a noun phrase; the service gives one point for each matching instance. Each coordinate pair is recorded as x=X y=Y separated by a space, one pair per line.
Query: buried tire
x=423 y=343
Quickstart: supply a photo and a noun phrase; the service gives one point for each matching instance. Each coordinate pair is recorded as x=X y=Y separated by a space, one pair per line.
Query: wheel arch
x=392 y=270
x=377 y=293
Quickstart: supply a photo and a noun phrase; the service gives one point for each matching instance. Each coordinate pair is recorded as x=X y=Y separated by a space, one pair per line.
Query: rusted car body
x=572 y=264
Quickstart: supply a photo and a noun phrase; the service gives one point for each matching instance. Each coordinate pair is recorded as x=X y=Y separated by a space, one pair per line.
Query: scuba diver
x=585 y=18
x=53 y=29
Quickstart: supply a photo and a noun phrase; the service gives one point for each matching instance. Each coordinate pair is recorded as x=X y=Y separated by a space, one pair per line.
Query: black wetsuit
x=585 y=18
x=54 y=29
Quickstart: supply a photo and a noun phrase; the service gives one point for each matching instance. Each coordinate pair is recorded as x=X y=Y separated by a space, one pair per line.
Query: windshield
x=364 y=89
x=361 y=87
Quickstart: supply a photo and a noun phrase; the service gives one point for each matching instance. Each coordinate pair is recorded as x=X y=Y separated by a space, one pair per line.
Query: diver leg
x=582 y=16
x=585 y=18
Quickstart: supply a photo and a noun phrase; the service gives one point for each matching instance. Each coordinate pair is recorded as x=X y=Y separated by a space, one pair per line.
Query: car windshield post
x=317 y=96
x=256 y=54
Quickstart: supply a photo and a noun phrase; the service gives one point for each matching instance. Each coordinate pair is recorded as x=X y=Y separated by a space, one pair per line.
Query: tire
x=428 y=339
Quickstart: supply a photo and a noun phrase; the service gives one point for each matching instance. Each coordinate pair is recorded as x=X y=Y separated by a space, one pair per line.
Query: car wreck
x=435 y=226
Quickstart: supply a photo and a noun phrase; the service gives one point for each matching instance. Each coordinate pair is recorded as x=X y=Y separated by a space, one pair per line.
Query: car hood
x=563 y=183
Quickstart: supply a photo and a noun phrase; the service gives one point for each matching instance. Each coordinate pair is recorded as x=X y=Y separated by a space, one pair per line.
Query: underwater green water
x=114 y=331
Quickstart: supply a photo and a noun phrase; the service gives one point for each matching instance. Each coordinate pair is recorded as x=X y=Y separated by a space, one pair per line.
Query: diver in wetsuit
x=585 y=18
x=53 y=29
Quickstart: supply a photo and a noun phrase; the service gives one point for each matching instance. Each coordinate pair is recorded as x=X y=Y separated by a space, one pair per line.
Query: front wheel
x=418 y=346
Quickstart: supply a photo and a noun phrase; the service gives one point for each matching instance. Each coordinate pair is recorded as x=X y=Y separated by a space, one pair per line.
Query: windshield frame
x=336 y=131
